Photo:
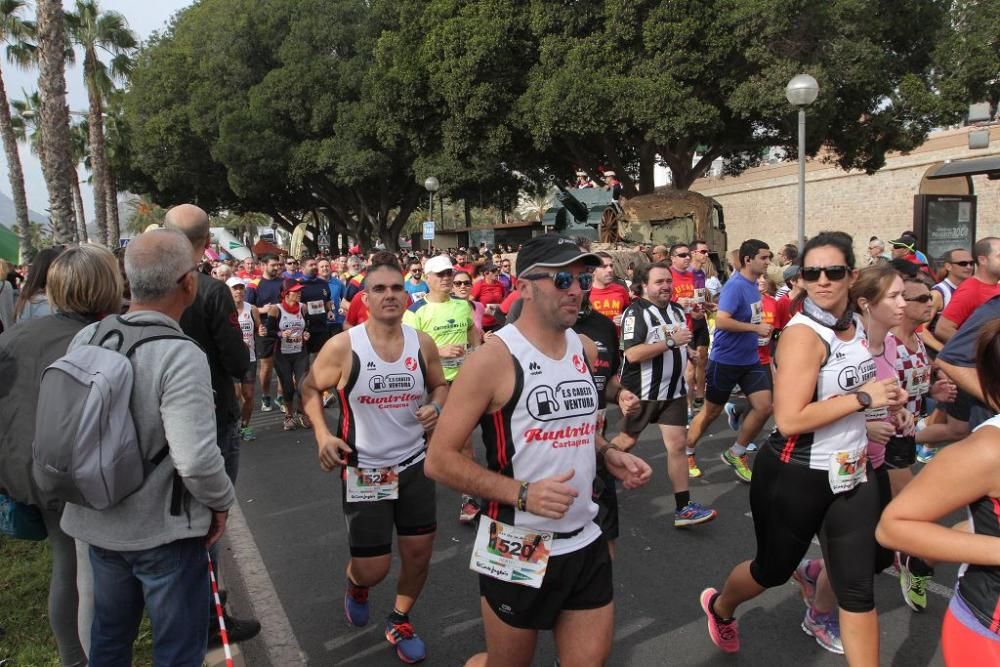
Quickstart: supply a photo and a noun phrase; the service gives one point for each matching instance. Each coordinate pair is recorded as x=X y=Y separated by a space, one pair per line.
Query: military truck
x=664 y=217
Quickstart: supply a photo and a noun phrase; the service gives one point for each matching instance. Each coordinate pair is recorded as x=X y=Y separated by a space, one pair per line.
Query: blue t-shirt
x=741 y=299
x=960 y=350
x=416 y=292
x=336 y=294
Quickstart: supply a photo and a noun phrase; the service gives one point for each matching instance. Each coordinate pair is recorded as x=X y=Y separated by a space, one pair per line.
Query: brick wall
x=763 y=202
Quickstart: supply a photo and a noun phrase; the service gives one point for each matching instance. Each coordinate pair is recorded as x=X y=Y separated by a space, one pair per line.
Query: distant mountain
x=8 y=217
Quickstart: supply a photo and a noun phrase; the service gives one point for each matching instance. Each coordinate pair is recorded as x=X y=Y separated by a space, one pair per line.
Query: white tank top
x=380 y=400
x=548 y=426
x=848 y=366
x=296 y=324
x=246 y=328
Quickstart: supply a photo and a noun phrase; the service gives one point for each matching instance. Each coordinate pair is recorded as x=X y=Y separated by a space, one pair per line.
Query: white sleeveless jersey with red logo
x=547 y=427
x=380 y=400
x=247 y=329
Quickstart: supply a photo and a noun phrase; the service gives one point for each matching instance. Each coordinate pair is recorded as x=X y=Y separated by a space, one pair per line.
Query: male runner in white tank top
x=391 y=387
x=541 y=558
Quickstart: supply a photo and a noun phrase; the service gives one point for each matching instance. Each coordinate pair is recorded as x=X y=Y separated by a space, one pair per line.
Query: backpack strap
x=130 y=335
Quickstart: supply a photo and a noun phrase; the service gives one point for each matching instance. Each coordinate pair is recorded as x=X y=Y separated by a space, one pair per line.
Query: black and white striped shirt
x=662 y=377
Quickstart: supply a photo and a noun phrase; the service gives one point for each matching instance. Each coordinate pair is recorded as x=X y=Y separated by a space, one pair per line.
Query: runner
x=811 y=476
x=251 y=327
x=689 y=294
x=387 y=408
x=449 y=323
x=415 y=285
x=287 y=325
x=974 y=292
x=608 y=296
x=538 y=415
x=461 y=288
x=266 y=292
x=963 y=475
x=958 y=267
x=315 y=298
x=655 y=337
x=490 y=293
x=734 y=360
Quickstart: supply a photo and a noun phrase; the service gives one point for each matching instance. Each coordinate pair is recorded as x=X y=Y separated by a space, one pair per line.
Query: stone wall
x=763 y=202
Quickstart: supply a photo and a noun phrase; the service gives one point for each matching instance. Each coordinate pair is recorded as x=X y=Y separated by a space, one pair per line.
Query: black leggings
x=790 y=504
x=291 y=367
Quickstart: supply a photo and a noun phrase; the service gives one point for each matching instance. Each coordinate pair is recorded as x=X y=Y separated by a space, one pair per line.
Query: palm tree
x=54 y=116
x=14 y=31
x=93 y=30
x=80 y=145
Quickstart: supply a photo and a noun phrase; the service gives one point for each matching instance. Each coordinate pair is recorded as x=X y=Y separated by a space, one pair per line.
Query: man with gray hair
x=149 y=550
x=211 y=320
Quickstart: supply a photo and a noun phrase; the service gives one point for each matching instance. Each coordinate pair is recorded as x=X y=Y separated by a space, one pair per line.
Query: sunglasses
x=461 y=283
x=810 y=274
x=700 y=252
x=447 y=273
x=682 y=254
x=564 y=279
x=923 y=298
x=965 y=263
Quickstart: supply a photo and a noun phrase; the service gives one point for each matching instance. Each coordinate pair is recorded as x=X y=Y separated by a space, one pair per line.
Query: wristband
x=608 y=446
x=522 y=497
x=437 y=408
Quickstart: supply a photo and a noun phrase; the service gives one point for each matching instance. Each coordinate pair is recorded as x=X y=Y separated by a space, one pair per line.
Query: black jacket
x=212 y=321
x=25 y=351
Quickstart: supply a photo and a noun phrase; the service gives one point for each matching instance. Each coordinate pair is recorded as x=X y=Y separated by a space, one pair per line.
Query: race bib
x=699 y=295
x=292 y=344
x=417 y=296
x=876 y=414
x=848 y=469
x=601 y=419
x=918 y=381
x=453 y=362
x=756 y=317
x=628 y=327
x=517 y=555
x=366 y=485
x=315 y=307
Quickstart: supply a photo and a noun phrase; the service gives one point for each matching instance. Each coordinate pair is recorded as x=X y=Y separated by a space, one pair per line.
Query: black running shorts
x=721 y=379
x=577 y=580
x=606 y=497
x=667 y=413
x=699 y=334
x=317 y=339
x=265 y=347
x=900 y=452
x=370 y=525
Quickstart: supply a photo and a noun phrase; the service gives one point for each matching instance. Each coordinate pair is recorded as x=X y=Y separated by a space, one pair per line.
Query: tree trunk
x=468 y=213
x=111 y=190
x=647 y=164
x=55 y=117
x=81 y=216
x=98 y=168
x=16 y=176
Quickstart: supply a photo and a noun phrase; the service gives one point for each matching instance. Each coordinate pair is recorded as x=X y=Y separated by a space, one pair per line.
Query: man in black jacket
x=213 y=323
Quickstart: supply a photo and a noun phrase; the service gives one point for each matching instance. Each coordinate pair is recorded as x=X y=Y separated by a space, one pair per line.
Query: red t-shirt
x=486 y=294
x=971 y=294
x=509 y=301
x=358 y=312
x=467 y=267
x=784 y=308
x=609 y=301
x=685 y=285
x=769 y=312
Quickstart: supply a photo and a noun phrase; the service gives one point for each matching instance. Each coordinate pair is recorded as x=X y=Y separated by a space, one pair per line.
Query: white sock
x=738 y=449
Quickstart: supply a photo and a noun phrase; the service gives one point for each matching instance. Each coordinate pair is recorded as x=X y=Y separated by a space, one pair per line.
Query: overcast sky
x=144 y=18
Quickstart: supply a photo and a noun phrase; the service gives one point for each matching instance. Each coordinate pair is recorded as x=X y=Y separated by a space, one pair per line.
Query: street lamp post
x=802 y=91
x=431 y=184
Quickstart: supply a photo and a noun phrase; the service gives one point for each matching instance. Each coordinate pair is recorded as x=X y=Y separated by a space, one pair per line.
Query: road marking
x=461 y=626
x=276 y=631
x=633 y=627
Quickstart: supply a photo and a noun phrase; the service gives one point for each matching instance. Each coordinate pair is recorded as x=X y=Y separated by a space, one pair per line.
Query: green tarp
x=8 y=245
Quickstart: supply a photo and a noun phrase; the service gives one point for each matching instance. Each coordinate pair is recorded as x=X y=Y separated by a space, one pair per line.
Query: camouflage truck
x=664 y=217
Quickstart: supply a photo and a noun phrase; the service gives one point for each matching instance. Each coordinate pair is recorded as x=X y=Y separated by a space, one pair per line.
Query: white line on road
x=276 y=632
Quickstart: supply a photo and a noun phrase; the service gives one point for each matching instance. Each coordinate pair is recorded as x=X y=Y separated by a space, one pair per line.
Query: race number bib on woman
x=848 y=469
x=366 y=485
x=512 y=554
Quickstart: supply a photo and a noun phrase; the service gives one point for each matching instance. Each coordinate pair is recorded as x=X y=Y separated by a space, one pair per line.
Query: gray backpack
x=86 y=450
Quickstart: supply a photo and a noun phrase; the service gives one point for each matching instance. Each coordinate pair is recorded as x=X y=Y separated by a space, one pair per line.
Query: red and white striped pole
x=218 y=612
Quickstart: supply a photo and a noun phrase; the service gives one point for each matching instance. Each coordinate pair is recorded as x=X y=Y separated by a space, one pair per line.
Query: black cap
x=552 y=251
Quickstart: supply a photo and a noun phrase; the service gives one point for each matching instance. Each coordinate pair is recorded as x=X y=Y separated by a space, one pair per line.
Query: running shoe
x=825 y=629
x=752 y=447
x=409 y=647
x=693 y=469
x=247 y=433
x=724 y=633
x=699 y=403
x=913 y=586
x=733 y=416
x=692 y=514
x=806 y=581
x=304 y=421
x=288 y=424
x=265 y=404
x=356 y=604
x=738 y=464
x=925 y=453
x=470 y=510
x=280 y=402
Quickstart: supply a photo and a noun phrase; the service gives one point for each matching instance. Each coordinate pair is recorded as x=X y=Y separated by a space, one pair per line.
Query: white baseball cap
x=438 y=264
x=235 y=282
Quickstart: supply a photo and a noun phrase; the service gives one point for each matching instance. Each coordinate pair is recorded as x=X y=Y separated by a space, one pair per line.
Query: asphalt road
x=293 y=510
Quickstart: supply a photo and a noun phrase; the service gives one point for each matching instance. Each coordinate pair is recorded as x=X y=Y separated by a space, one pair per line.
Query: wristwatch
x=864 y=399
x=670 y=343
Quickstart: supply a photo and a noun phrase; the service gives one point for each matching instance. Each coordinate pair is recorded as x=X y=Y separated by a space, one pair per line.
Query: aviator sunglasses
x=564 y=279
x=835 y=273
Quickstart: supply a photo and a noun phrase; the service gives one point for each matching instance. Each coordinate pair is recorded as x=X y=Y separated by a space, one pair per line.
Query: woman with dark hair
x=83 y=286
x=33 y=301
x=286 y=325
x=813 y=476
x=966 y=474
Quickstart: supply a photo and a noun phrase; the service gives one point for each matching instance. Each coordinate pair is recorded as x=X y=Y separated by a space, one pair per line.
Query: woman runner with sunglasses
x=813 y=475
